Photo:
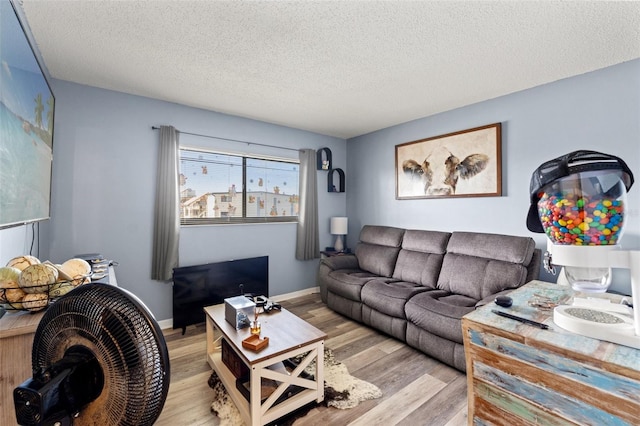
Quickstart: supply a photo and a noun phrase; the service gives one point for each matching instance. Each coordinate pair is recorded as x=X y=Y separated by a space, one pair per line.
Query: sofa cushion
x=348 y=282
x=378 y=260
x=478 y=265
x=507 y=248
x=445 y=350
x=396 y=327
x=382 y=235
x=478 y=277
x=439 y=312
x=378 y=249
x=350 y=308
x=420 y=258
x=420 y=268
x=426 y=241
x=389 y=297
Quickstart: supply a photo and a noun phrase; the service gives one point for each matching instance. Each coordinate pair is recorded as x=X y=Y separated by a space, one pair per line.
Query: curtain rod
x=231 y=140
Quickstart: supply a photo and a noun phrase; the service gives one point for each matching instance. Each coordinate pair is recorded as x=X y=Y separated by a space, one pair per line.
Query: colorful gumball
x=568 y=218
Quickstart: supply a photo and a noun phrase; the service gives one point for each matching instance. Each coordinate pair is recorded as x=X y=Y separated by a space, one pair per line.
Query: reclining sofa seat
x=416 y=270
x=375 y=257
x=417 y=285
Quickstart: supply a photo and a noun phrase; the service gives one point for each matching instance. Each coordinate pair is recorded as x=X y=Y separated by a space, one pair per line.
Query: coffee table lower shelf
x=266 y=412
x=257 y=411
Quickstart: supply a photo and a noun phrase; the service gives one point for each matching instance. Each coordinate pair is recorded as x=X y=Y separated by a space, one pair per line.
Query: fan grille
x=27 y=405
x=126 y=341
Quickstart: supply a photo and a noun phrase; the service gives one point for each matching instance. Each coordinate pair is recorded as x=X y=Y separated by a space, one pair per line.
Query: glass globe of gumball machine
x=584 y=210
x=579 y=201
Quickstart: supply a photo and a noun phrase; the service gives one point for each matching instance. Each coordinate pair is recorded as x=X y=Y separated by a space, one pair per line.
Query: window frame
x=231 y=219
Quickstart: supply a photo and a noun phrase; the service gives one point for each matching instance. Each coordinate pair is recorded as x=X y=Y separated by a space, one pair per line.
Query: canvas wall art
x=460 y=164
x=26 y=127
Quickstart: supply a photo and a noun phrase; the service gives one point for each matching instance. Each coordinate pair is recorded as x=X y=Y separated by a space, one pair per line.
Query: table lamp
x=339 y=227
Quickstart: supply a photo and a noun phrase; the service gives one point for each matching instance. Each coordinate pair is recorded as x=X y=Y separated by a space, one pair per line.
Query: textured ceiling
x=340 y=68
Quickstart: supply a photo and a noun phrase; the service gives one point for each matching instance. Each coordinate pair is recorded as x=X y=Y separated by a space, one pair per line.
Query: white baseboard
x=294 y=294
x=168 y=323
x=165 y=324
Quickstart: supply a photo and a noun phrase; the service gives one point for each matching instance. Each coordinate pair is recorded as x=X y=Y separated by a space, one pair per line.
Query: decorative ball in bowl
x=27 y=284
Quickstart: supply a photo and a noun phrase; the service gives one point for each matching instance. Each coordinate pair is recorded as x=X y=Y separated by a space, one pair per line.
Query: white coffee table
x=289 y=336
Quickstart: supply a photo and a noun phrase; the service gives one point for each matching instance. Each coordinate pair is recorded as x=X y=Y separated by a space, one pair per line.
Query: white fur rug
x=342 y=391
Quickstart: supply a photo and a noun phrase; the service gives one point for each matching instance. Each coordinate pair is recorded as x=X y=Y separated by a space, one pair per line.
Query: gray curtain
x=166 y=228
x=307 y=241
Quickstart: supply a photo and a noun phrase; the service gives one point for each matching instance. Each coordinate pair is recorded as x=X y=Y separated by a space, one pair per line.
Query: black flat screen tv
x=195 y=287
x=26 y=126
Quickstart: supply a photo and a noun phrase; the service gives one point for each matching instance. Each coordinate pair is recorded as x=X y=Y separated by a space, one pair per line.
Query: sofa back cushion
x=420 y=257
x=478 y=265
x=378 y=249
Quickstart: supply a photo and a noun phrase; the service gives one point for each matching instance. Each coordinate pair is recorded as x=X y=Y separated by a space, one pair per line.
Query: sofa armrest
x=533 y=269
x=346 y=261
x=330 y=264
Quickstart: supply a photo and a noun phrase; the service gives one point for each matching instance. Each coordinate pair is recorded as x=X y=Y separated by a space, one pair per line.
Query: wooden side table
x=16 y=340
x=521 y=374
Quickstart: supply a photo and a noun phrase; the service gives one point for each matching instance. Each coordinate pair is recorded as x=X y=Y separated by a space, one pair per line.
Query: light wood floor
x=417 y=390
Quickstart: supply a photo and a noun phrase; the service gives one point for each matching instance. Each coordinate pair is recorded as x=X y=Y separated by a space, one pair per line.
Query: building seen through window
x=221 y=188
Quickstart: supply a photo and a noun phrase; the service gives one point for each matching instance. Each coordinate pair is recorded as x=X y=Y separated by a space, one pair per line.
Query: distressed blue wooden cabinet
x=518 y=374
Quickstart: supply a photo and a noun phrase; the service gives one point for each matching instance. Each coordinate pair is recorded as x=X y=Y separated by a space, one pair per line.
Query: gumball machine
x=579 y=201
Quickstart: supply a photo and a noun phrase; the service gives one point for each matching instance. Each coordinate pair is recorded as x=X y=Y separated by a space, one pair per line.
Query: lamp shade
x=339 y=225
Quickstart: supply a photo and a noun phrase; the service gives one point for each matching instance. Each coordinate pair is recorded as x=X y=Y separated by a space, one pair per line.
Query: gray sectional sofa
x=417 y=285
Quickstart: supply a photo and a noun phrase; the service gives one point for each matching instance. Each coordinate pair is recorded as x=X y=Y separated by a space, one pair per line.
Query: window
x=226 y=188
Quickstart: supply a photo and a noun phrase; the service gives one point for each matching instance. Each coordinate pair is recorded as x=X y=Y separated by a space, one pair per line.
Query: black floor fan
x=98 y=358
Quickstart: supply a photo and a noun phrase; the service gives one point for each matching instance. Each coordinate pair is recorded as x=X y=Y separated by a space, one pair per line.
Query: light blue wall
x=598 y=111
x=26 y=239
x=105 y=155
